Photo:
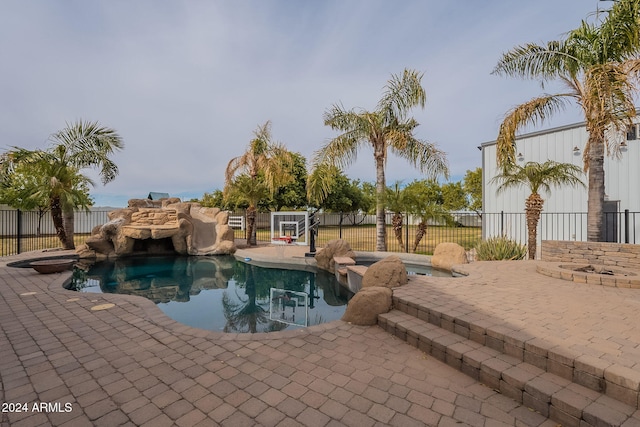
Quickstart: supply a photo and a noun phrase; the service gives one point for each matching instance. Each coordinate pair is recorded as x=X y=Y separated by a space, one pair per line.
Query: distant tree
x=214 y=199
x=472 y=185
x=263 y=156
x=343 y=195
x=537 y=176
x=453 y=196
x=78 y=146
x=294 y=194
x=17 y=190
x=369 y=195
x=388 y=127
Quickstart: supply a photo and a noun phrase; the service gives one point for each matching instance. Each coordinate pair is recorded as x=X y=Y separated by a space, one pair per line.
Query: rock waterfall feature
x=165 y=226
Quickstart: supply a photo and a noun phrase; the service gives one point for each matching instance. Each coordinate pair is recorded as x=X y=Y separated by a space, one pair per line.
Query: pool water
x=220 y=293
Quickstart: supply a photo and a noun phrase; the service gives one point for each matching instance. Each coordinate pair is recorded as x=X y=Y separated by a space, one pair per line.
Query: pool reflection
x=237 y=290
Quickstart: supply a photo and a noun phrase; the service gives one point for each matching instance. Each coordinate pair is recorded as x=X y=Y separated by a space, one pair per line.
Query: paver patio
x=132 y=365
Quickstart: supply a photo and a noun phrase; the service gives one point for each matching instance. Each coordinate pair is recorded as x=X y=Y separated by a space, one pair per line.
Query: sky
x=186 y=82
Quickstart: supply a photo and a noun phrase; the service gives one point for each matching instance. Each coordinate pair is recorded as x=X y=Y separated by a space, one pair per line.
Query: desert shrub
x=500 y=248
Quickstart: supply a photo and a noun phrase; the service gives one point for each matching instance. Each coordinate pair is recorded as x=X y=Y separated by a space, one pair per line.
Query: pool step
x=551 y=395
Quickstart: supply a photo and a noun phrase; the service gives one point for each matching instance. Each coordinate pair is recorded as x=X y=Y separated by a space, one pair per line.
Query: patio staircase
x=574 y=390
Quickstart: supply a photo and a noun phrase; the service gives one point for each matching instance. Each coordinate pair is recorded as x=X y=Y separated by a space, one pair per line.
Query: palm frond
x=536 y=176
x=320 y=181
x=395 y=198
x=246 y=189
x=264 y=156
x=85 y=144
x=534 y=112
x=621 y=31
x=341 y=151
x=533 y=61
x=401 y=94
x=423 y=155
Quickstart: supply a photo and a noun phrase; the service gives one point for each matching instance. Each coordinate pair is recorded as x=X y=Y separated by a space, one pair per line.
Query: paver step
x=617 y=381
x=553 y=396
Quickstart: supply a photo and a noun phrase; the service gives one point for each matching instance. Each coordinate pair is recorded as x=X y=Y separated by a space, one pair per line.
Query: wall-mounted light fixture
x=576 y=150
x=520 y=157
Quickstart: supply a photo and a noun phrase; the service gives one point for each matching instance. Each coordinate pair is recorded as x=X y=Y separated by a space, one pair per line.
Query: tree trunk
x=533 y=209
x=68 y=219
x=397 y=228
x=420 y=232
x=381 y=231
x=251 y=226
x=595 y=203
x=41 y=213
x=56 y=217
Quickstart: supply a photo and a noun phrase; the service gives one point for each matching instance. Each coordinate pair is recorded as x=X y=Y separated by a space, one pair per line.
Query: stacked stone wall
x=153 y=216
x=598 y=253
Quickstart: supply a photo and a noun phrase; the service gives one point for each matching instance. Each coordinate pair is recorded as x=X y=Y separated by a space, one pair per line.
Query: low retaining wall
x=599 y=253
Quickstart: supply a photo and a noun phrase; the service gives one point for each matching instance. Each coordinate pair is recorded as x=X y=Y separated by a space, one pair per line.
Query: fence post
x=626 y=225
x=19 y=231
x=340 y=225
x=502 y=223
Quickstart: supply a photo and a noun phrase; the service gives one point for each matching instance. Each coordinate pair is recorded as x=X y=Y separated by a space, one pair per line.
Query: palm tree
x=426 y=205
x=264 y=157
x=598 y=65
x=243 y=189
x=396 y=202
x=388 y=127
x=537 y=176
x=78 y=146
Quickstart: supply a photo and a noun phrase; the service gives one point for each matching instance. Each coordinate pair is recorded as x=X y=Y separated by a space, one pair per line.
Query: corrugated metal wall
x=622 y=181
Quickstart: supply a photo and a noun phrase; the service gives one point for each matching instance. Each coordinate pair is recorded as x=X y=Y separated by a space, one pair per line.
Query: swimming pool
x=220 y=293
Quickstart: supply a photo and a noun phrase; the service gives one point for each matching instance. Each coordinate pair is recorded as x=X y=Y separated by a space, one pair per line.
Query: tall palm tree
x=598 y=64
x=388 y=127
x=537 y=176
x=78 y=146
x=265 y=157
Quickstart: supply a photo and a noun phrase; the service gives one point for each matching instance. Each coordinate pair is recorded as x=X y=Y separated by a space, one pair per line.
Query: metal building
x=564 y=216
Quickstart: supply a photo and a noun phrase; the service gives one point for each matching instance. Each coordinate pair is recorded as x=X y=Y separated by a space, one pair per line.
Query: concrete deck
x=129 y=364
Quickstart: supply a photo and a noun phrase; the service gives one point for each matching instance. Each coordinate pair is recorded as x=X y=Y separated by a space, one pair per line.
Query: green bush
x=500 y=248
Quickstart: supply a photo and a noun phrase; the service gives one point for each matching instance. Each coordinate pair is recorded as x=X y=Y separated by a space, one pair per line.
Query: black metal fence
x=410 y=236
x=619 y=227
x=22 y=231
x=360 y=231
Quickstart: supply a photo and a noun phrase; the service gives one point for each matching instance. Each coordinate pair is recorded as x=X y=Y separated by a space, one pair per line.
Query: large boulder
x=99 y=244
x=364 y=307
x=335 y=248
x=389 y=272
x=446 y=255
